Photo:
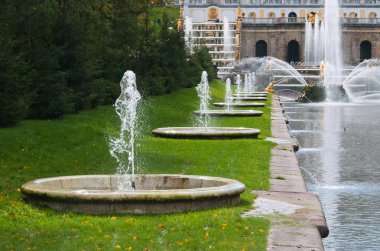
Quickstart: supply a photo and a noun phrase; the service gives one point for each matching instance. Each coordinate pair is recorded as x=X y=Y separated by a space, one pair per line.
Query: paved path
x=297 y=218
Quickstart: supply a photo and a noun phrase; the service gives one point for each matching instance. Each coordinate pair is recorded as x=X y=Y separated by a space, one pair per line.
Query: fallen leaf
x=206 y=235
x=113 y=218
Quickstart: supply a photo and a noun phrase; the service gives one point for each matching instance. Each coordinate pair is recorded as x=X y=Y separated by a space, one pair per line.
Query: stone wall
x=277 y=37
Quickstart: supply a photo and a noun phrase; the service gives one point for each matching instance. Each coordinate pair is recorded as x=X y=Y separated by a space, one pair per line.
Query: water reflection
x=340 y=158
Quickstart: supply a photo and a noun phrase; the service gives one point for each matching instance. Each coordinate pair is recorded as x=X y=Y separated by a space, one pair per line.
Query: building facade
x=278 y=27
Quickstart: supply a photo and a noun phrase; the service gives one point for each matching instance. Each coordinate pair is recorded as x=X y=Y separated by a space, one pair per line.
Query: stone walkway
x=297 y=218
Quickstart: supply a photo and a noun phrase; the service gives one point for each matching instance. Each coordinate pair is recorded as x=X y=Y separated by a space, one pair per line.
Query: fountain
x=362 y=85
x=203 y=112
x=204 y=131
x=333 y=62
x=227 y=39
x=126 y=192
x=314 y=40
x=269 y=69
x=228 y=95
x=228 y=103
x=188 y=32
x=122 y=148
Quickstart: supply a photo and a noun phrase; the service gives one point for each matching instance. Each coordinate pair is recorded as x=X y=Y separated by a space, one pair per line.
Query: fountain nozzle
x=133 y=185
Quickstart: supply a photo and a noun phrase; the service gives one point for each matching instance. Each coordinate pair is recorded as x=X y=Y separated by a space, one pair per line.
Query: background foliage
x=62 y=56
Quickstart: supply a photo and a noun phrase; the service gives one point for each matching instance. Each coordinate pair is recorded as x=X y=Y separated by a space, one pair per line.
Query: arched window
x=261 y=49
x=293 y=51
x=292 y=17
x=271 y=15
x=365 y=50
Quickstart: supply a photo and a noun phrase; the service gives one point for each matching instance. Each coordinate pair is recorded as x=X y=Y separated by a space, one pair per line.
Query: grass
x=77 y=145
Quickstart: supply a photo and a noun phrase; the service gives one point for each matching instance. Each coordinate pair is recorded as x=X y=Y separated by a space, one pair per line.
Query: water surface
x=340 y=156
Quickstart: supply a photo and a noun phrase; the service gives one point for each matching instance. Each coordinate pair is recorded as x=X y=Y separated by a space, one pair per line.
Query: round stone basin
x=154 y=194
x=245 y=104
x=206 y=132
x=248 y=98
x=250 y=95
x=230 y=113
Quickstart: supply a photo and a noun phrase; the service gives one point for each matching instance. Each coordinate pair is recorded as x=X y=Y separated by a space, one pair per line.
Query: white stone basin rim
x=250 y=95
x=155 y=193
x=249 y=98
x=230 y=113
x=206 y=132
x=245 y=104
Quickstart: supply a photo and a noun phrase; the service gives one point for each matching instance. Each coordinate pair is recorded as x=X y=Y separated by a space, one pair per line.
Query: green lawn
x=77 y=144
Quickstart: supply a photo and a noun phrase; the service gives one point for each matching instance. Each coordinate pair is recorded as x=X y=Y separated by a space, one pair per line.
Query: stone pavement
x=297 y=218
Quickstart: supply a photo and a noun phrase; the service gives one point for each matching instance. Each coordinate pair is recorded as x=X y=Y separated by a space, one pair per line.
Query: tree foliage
x=62 y=56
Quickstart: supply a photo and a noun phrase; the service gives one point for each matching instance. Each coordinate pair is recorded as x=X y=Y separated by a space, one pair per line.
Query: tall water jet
x=123 y=147
x=246 y=83
x=228 y=97
x=203 y=91
x=188 y=31
x=333 y=49
x=252 y=82
x=238 y=83
x=314 y=40
x=228 y=47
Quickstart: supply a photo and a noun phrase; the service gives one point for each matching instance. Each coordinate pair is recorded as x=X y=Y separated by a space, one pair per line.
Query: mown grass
x=77 y=144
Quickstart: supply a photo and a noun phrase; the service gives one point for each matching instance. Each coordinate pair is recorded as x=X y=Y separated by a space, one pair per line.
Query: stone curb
x=303 y=228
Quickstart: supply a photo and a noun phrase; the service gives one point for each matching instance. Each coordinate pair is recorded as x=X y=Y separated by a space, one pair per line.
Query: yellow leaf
x=206 y=235
x=134 y=238
x=113 y=218
x=117 y=246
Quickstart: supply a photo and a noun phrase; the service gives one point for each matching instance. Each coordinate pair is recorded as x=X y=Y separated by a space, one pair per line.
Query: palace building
x=285 y=29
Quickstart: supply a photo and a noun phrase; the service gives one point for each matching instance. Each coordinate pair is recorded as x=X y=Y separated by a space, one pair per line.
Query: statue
x=322 y=71
x=181 y=12
x=311 y=17
x=270 y=87
x=239 y=12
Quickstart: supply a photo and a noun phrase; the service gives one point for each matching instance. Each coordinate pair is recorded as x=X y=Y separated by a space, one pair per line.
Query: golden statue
x=239 y=12
x=311 y=17
x=322 y=71
x=181 y=12
x=270 y=87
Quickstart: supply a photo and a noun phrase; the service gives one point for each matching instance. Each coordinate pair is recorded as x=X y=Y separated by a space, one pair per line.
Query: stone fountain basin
x=245 y=104
x=154 y=194
x=230 y=113
x=250 y=95
x=248 y=98
x=206 y=132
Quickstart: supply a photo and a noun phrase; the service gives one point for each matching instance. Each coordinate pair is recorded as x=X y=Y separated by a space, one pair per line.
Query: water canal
x=340 y=159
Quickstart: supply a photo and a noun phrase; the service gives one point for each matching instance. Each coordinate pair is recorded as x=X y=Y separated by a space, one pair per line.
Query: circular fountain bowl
x=230 y=113
x=246 y=104
x=248 y=98
x=206 y=132
x=154 y=194
x=250 y=95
